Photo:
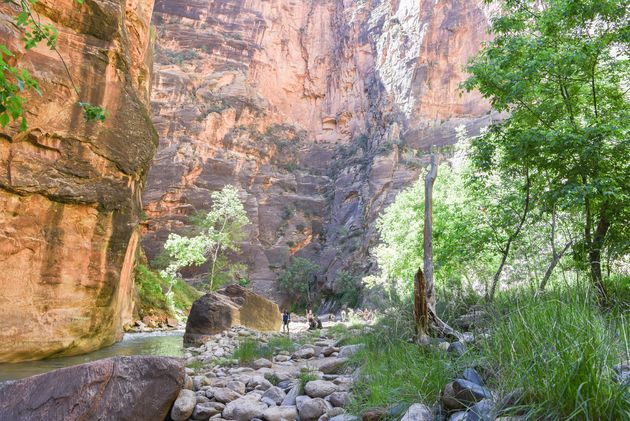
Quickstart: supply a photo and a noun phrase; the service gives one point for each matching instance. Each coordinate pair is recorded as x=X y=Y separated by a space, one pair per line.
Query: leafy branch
x=15 y=82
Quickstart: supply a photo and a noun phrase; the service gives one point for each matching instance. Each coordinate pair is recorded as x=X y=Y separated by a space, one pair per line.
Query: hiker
x=344 y=315
x=311 y=320
x=286 y=319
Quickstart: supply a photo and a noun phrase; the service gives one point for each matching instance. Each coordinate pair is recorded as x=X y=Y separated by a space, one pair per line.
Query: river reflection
x=153 y=343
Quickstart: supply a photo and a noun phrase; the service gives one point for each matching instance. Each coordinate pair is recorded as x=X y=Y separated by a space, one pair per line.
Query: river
x=169 y=343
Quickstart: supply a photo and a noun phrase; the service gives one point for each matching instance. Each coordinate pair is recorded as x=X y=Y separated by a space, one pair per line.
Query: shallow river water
x=153 y=343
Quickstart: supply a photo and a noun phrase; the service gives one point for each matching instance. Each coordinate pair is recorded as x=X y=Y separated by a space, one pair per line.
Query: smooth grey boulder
x=312 y=409
x=319 y=388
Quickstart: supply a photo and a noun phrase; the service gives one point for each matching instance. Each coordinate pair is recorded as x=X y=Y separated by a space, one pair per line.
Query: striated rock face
x=120 y=388
x=232 y=306
x=319 y=110
x=70 y=190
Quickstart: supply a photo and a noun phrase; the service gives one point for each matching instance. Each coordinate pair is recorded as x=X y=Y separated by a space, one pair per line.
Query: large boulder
x=121 y=388
x=231 y=306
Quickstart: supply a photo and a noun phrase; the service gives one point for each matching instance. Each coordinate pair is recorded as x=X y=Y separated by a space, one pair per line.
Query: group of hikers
x=316 y=323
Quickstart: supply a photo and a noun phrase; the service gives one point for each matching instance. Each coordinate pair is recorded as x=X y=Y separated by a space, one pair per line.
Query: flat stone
x=350 y=350
x=262 y=363
x=333 y=365
x=319 y=388
x=279 y=413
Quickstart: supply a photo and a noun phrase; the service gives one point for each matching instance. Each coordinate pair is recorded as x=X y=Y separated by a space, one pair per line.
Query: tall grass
x=560 y=350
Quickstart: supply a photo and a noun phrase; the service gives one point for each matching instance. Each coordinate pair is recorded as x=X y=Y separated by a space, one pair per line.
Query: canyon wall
x=70 y=190
x=320 y=111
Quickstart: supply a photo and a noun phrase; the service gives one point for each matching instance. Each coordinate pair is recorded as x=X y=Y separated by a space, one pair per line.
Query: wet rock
x=184 y=405
x=121 y=388
x=319 y=388
x=418 y=412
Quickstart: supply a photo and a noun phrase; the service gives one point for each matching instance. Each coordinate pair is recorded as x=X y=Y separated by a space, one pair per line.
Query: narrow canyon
x=319 y=111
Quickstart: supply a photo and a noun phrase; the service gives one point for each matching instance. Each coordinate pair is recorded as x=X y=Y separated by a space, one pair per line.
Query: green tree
x=218 y=232
x=560 y=69
x=15 y=82
x=298 y=281
x=460 y=235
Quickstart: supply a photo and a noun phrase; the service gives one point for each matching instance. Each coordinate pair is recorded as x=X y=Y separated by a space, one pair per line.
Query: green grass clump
x=282 y=343
x=338 y=330
x=305 y=377
x=184 y=295
x=195 y=365
x=394 y=371
x=560 y=350
x=152 y=287
x=149 y=287
x=249 y=350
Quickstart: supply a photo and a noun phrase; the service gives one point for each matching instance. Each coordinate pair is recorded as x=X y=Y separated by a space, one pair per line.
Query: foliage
x=297 y=281
x=152 y=291
x=305 y=377
x=149 y=287
x=348 y=291
x=561 y=71
x=15 y=82
x=219 y=231
x=394 y=371
x=560 y=350
x=460 y=236
x=249 y=349
x=282 y=343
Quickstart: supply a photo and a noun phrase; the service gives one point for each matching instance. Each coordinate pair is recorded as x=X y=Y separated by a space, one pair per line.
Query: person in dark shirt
x=286 y=319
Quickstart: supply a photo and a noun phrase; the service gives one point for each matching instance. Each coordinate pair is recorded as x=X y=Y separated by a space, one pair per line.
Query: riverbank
x=167 y=343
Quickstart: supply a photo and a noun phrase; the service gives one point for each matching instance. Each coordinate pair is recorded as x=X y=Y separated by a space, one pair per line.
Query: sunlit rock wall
x=70 y=190
x=320 y=111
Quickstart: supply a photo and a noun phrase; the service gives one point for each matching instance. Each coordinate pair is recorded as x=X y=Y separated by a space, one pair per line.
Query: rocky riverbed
x=310 y=382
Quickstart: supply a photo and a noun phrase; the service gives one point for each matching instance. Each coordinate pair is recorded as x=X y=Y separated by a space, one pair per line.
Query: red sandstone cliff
x=70 y=189
x=319 y=110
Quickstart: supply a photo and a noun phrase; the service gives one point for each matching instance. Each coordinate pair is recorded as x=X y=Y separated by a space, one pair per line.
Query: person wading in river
x=286 y=319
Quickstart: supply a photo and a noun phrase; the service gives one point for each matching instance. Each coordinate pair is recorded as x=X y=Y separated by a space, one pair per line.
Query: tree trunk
x=511 y=238
x=595 y=256
x=424 y=297
x=552 y=266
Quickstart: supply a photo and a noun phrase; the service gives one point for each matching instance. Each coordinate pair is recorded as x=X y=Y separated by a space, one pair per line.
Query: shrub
x=298 y=281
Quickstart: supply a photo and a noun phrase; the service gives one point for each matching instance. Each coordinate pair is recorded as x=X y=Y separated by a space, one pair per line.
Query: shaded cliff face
x=70 y=189
x=320 y=111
